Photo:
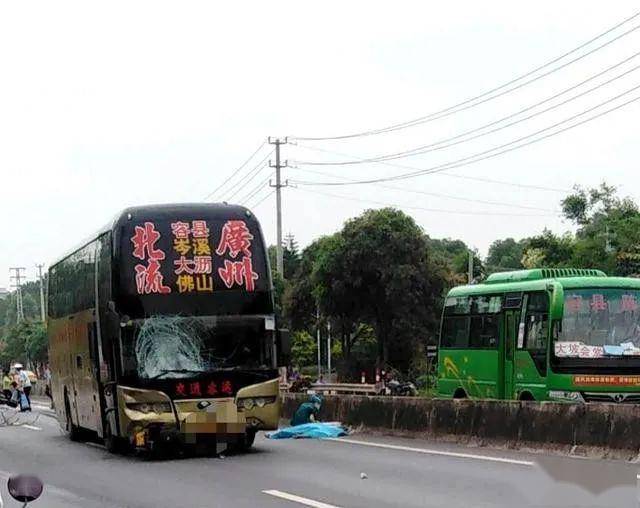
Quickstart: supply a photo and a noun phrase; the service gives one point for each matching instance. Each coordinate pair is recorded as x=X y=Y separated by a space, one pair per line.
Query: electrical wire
x=435 y=210
x=256 y=205
x=450 y=175
x=255 y=190
x=487 y=96
x=444 y=143
x=248 y=177
x=235 y=172
x=472 y=159
x=434 y=194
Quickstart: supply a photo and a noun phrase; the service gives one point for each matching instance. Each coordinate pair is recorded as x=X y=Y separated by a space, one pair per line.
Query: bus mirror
x=284 y=347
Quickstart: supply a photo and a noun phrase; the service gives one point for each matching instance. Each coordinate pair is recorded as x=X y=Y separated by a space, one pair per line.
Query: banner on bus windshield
x=195 y=256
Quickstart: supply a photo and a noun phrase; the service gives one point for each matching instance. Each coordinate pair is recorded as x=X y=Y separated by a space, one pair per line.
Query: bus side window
x=455 y=332
x=536 y=329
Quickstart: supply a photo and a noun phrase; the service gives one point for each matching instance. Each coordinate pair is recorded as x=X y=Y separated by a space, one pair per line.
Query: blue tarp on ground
x=309 y=430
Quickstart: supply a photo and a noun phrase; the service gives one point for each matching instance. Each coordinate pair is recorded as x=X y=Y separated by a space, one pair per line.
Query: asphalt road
x=324 y=474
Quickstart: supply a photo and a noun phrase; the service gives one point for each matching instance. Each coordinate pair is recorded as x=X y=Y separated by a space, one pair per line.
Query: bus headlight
x=150 y=407
x=565 y=396
x=251 y=402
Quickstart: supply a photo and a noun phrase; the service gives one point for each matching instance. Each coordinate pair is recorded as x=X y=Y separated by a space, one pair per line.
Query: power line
x=450 y=175
x=486 y=154
x=262 y=199
x=247 y=177
x=444 y=143
x=487 y=96
x=255 y=190
x=435 y=210
x=434 y=194
x=235 y=172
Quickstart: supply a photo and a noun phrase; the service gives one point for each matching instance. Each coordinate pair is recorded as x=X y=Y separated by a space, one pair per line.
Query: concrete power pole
x=42 y=309
x=17 y=270
x=470 y=267
x=328 y=350
x=318 y=340
x=278 y=185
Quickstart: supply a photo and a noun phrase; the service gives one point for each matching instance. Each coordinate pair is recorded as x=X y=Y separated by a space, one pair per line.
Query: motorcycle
x=24 y=489
x=397 y=388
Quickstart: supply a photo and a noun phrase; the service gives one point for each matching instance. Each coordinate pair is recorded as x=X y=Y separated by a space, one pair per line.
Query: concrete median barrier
x=609 y=428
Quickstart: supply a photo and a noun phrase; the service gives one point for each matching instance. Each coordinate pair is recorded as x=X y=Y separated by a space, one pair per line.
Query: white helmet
x=18 y=366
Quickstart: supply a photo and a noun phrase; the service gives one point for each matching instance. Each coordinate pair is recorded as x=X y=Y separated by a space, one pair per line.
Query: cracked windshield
x=341 y=254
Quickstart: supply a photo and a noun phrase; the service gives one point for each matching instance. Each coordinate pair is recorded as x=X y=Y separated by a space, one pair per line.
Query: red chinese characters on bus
x=194 y=273
x=235 y=238
x=598 y=303
x=628 y=303
x=149 y=278
x=238 y=273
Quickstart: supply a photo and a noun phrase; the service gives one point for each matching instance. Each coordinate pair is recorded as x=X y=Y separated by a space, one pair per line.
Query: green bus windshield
x=599 y=322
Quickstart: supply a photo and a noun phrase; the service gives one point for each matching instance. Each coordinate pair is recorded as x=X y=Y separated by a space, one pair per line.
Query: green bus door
x=511 y=322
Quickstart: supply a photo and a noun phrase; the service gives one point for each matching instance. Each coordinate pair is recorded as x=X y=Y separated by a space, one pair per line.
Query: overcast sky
x=105 y=105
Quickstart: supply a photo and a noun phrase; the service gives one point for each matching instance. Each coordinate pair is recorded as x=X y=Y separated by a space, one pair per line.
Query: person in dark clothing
x=307 y=411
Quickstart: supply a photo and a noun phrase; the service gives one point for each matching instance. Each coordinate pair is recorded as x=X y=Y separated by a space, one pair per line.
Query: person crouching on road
x=24 y=383
x=307 y=411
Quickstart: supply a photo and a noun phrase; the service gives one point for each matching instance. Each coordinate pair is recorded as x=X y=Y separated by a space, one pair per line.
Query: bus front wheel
x=460 y=394
x=113 y=443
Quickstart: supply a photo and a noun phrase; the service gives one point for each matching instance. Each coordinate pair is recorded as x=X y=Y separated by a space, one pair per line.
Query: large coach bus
x=544 y=334
x=162 y=330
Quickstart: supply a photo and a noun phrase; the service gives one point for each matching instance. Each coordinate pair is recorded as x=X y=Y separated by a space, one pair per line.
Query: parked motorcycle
x=24 y=489
x=397 y=388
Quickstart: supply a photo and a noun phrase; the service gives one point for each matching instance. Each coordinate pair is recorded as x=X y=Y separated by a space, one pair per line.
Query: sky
x=107 y=105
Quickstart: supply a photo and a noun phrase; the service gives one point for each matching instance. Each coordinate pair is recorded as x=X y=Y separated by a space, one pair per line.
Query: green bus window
x=455 y=332
x=484 y=331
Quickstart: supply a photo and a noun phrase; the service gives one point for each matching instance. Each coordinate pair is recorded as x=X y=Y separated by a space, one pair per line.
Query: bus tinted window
x=455 y=332
x=484 y=331
x=72 y=285
x=479 y=330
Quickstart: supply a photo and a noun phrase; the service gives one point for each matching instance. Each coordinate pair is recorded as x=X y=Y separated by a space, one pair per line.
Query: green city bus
x=543 y=334
x=162 y=330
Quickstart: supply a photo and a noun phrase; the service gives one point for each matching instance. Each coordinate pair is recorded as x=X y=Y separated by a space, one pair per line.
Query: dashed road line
x=298 y=499
x=427 y=451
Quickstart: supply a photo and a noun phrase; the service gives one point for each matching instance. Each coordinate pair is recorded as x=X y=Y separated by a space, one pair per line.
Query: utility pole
x=328 y=349
x=278 y=185
x=42 y=311
x=17 y=270
x=470 y=267
x=318 y=339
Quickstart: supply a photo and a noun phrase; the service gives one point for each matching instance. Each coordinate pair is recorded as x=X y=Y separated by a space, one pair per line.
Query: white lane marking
x=30 y=427
x=433 y=452
x=298 y=499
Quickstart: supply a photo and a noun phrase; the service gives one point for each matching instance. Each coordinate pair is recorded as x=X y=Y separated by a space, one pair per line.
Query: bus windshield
x=599 y=322
x=169 y=347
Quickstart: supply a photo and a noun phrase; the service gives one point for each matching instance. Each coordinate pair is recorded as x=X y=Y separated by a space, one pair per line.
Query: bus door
x=511 y=313
x=83 y=374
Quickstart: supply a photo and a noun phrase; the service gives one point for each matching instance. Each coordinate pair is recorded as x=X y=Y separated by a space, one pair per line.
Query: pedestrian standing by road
x=24 y=383
x=6 y=384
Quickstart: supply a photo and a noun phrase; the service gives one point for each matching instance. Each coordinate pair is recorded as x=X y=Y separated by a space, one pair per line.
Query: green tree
x=549 y=249
x=303 y=349
x=505 y=255
x=381 y=271
x=608 y=234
